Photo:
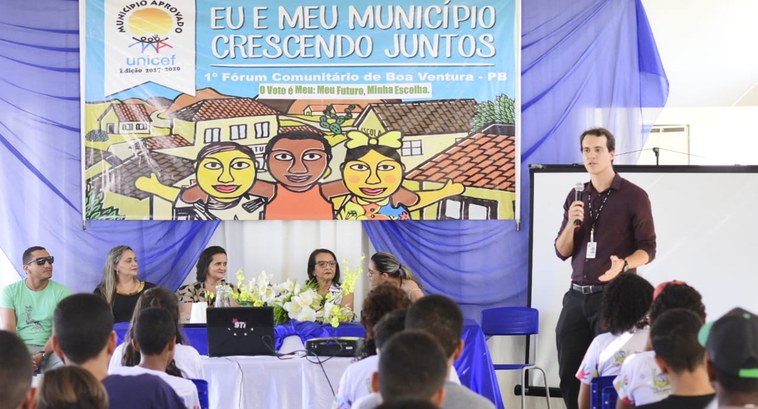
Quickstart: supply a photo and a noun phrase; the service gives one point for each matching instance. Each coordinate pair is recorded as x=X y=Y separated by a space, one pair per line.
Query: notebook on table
x=240 y=331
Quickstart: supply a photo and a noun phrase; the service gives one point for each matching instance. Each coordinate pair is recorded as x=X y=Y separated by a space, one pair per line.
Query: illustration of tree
x=95 y=208
x=97 y=135
x=332 y=122
x=502 y=111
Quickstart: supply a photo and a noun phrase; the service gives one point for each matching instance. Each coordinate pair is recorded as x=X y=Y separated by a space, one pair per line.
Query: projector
x=339 y=346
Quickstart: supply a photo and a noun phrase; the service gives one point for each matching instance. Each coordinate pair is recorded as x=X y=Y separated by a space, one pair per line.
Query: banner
x=198 y=110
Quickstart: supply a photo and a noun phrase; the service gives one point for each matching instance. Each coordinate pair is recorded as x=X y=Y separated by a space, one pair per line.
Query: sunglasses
x=323 y=264
x=42 y=260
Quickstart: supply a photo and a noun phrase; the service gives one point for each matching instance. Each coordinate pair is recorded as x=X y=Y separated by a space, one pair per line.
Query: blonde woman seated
x=385 y=268
x=120 y=285
x=324 y=272
x=210 y=271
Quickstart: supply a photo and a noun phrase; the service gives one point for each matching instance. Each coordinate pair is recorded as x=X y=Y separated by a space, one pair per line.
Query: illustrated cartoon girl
x=225 y=171
x=373 y=171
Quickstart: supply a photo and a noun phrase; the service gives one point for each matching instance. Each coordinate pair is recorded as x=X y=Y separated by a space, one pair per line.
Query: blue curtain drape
x=40 y=158
x=585 y=63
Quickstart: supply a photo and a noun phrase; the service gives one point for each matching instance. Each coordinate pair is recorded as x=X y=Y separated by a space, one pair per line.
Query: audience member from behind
x=15 y=373
x=731 y=343
x=155 y=338
x=355 y=382
x=411 y=403
x=442 y=318
x=385 y=268
x=682 y=358
x=120 y=285
x=640 y=380
x=623 y=309
x=324 y=274
x=83 y=336
x=26 y=307
x=210 y=271
x=186 y=362
x=379 y=301
x=412 y=365
x=71 y=387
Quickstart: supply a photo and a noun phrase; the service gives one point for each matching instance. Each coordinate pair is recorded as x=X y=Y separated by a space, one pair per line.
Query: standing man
x=26 y=307
x=608 y=232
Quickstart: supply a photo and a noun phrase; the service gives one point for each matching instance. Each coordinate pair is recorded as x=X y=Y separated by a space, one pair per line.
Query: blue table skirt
x=474 y=367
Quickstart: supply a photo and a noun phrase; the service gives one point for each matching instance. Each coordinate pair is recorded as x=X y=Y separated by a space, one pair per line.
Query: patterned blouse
x=195 y=292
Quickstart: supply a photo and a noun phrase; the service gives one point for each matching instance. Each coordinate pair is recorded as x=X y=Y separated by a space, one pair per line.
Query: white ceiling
x=709 y=49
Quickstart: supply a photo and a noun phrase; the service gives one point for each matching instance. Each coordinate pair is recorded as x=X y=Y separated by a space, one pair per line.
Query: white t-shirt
x=356 y=381
x=183 y=387
x=607 y=352
x=641 y=381
x=186 y=357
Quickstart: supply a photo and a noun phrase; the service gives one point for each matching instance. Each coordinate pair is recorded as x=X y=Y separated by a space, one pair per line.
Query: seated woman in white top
x=623 y=313
x=385 y=268
x=186 y=362
x=324 y=273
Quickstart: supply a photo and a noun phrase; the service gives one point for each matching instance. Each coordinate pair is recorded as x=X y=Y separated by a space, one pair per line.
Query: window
x=212 y=135
x=237 y=132
x=412 y=148
x=262 y=130
x=141 y=126
x=467 y=208
x=127 y=127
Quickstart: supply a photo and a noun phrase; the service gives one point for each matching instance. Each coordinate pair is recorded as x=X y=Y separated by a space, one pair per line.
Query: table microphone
x=578 y=191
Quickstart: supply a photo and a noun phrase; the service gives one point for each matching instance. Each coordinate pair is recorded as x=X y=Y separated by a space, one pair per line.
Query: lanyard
x=594 y=217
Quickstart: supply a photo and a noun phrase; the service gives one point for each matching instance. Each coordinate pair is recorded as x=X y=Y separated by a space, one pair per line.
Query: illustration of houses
x=118 y=184
x=125 y=119
x=339 y=109
x=242 y=120
x=97 y=161
x=428 y=127
x=485 y=163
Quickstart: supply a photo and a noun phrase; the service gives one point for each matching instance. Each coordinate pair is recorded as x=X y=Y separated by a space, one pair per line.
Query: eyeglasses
x=323 y=264
x=42 y=260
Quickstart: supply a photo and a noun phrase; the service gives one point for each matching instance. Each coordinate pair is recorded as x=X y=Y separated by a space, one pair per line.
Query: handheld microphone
x=578 y=191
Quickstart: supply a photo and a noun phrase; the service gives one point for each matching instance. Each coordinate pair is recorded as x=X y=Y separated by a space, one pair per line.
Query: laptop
x=240 y=331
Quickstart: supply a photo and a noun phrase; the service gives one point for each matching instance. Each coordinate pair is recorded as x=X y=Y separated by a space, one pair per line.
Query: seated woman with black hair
x=385 y=268
x=324 y=274
x=210 y=271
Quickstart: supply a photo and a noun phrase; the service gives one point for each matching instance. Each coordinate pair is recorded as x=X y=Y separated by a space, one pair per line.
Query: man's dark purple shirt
x=624 y=225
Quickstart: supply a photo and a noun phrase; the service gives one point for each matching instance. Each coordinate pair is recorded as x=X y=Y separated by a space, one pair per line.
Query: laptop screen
x=240 y=331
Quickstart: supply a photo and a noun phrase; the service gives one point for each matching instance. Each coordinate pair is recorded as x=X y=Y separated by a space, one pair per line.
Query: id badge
x=591 y=245
x=591 y=250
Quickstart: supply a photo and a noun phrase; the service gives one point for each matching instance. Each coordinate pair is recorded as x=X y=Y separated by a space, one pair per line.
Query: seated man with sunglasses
x=26 y=307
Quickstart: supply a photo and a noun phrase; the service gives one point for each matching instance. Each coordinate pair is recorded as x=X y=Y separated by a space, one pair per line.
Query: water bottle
x=223 y=296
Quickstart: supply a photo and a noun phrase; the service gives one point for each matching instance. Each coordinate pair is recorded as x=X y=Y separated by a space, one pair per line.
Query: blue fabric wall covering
x=40 y=157
x=584 y=63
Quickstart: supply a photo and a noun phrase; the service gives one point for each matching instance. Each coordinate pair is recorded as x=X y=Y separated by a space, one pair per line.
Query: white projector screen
x=707 y=235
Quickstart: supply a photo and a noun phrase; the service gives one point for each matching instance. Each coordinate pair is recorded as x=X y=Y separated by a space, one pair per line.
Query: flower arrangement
x=293 y=301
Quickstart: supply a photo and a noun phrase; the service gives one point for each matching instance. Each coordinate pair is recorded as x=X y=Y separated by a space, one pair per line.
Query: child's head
x=154 y=330
x=676 y=294
x=626 y=301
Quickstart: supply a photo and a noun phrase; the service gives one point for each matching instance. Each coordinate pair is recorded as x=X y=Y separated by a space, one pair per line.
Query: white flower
x=306 y=314
x=306 y=298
